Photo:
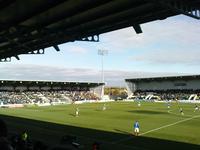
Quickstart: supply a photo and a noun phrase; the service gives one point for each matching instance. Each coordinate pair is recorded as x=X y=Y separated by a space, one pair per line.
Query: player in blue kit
x=136 y=128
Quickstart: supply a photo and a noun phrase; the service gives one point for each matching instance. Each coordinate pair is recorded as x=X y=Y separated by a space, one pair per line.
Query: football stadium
x=47 y=113
x=152 y=113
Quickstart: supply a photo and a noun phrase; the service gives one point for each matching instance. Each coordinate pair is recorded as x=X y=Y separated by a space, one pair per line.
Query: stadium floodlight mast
x=102 y=53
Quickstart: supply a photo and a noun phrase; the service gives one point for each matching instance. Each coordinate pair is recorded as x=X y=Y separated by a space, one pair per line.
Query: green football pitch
x=113 y=127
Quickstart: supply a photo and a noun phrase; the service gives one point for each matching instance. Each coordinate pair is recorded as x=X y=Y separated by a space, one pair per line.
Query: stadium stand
x=41 y=93
x=45 y=98
x=23 y=93
x=182 y=88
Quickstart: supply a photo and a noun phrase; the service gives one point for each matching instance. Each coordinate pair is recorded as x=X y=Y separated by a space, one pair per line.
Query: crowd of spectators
x=23 y=141
x=78 y=96
x=167 y=95
x=45 y=97
x=174 y=96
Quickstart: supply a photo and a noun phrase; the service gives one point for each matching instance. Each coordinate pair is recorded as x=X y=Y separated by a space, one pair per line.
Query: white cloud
x=46 y=73
x=170 y=56
x=173 y=41
x=178 y=31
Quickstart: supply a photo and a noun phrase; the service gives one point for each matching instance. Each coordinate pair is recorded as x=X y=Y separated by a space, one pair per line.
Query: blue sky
x=166 y=47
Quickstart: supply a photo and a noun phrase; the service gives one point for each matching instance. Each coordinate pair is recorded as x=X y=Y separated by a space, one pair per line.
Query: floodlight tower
x=102 y=53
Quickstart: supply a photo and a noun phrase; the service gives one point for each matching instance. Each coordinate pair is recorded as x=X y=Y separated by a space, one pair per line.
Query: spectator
x=3 y=129
x=95 y=146
x=4 y=144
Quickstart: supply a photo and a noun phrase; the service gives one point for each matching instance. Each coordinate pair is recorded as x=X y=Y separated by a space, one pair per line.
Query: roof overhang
x=30 y=26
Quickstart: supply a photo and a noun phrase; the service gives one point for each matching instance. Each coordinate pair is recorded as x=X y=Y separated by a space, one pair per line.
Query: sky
x=167 y=47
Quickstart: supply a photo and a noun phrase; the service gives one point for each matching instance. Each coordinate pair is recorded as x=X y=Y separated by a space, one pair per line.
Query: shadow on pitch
x=98 y=109
x=51 y=134
x=123 y=132
x=73 y=115
x=147 y=112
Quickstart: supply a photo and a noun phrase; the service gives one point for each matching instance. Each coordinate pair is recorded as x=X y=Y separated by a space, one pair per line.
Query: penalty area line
x=165 y=126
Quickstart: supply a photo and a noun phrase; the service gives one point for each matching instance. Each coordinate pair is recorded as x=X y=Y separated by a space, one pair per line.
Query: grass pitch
x=113 y=127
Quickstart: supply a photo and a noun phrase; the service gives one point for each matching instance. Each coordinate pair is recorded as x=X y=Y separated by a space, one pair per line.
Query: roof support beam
x=17 y=57
x=137 y=28
x=56 y=48
x=181 y=6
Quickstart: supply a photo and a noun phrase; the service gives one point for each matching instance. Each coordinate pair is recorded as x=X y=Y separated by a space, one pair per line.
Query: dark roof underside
x=169 y=78
x=32 y=25
x=49 y=85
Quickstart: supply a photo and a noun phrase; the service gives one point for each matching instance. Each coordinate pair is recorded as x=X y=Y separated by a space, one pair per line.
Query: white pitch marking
x=165 y=126
x=170 y=124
